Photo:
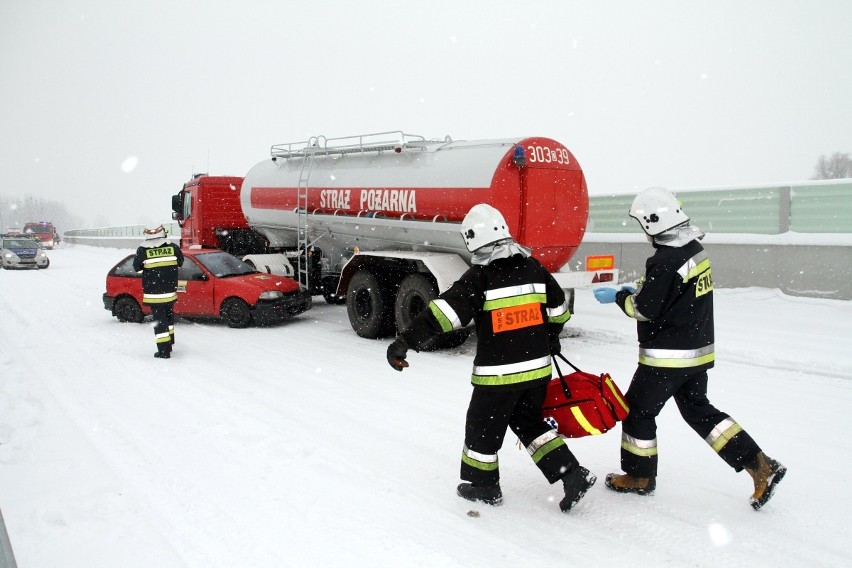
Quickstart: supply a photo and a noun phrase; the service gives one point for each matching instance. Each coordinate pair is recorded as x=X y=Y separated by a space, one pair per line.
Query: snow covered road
x=297 y=445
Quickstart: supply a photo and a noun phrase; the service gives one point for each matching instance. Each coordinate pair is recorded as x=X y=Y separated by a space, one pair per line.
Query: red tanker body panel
x=535 y=182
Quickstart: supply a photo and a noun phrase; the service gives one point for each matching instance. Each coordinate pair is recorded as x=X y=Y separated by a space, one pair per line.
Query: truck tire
x=415 y=293
x=127 y=309
x=369 y=305
x=236 y=313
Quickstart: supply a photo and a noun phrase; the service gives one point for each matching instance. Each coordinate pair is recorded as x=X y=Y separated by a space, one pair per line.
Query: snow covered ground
x=298 y=446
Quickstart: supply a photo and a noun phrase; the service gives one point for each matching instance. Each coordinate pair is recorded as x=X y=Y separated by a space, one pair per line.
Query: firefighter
x=519 y=310
x=673 y=307
x=158 y=259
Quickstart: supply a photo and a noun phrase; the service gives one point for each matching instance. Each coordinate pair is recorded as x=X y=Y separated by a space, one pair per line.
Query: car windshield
x=19 y=243
x=223 y=264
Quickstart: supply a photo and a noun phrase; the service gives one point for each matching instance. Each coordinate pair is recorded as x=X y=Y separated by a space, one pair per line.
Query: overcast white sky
x=675 y=93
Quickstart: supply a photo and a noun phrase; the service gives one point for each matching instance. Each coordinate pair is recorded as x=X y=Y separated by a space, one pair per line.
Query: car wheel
x=235 y=312
x=415 y=293
x=127 y=309
x=46 y=264
x=370 y=306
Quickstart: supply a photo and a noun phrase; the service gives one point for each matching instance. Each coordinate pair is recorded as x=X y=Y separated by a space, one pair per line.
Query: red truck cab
x=44 y=231
x=209 y=214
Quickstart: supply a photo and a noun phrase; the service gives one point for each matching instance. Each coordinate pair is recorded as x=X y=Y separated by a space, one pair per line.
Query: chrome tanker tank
x=393 y=191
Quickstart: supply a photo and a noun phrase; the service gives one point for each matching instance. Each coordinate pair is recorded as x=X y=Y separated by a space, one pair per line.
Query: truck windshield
x=223 y=264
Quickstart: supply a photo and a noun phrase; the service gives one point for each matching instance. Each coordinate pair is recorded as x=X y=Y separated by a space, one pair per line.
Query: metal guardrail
x=116 y=237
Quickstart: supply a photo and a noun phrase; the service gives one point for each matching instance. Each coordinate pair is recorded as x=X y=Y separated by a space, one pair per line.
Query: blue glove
x=628 y=288
x=605 y=295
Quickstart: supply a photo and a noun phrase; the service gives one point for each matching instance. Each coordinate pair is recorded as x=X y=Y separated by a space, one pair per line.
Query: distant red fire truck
x=44 y=231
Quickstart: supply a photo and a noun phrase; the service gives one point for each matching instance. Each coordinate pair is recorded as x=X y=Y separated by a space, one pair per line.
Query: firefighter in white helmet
x=519 y=310
x=158 y=259
x=674 y=311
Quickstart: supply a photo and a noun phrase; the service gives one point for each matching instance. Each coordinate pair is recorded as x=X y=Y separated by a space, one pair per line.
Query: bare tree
x=15 y=211
x=835 y=166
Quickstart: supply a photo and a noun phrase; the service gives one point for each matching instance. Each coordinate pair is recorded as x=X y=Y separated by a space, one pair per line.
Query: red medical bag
x=582 y=404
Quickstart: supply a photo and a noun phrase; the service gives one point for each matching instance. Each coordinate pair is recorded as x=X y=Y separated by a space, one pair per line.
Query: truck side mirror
x=177 y=206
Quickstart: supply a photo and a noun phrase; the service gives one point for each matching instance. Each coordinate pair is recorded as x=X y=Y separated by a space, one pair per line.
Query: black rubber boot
x=577 y=481
x=489 y=494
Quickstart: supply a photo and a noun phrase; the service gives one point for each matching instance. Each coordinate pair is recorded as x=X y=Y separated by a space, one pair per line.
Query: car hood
x=263 y=282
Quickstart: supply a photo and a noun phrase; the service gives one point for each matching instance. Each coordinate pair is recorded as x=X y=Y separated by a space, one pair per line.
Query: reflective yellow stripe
x=519 y=290
x=547 y=448
x=512 y=373
x=159 y=263
x=559 y=314
x=628 y=307
x=514 y=301
x=677 y=363
x=614 y=391
x=694 y=266
x=159 y=298
x=637 y=447
x=722 y=433
x=445 y=314
x=512 y=378
x=676 y=358
x=582 y=421
x=484 y=462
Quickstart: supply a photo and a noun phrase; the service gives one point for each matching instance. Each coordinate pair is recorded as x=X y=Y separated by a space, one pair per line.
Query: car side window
x=125 y=268
x=190 y=271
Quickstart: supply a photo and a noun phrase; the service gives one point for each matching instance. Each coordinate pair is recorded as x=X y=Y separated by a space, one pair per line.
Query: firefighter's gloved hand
x=555 y=346
x=396 y=354
x=605 y=295
x=628 y=288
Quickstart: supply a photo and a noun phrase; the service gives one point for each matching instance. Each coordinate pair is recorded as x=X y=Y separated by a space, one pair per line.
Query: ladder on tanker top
x=320 y=146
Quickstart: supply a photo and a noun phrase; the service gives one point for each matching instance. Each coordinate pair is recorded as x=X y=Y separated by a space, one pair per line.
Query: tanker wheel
x=415 y=293
x=236 y=312
x=127 y=309
x=329 y=288
x=369 y=306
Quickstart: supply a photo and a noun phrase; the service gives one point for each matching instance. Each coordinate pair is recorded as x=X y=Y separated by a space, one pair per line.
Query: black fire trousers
x=164 y=324
x=490 y=412
x=649 y=391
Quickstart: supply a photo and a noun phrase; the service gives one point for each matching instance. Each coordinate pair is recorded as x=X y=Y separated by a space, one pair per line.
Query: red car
x=212 y=283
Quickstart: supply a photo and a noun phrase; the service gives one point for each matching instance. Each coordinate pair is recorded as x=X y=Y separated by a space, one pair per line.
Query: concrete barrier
x=800 y=264
x=808 y=268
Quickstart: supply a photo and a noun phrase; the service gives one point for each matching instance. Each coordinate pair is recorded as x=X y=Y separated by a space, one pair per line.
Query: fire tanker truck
x=373 y=221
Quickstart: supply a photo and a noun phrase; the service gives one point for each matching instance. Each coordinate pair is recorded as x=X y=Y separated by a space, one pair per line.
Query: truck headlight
x=271 y=295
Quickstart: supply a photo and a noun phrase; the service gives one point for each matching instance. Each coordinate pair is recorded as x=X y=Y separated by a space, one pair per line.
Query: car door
x=195 y=290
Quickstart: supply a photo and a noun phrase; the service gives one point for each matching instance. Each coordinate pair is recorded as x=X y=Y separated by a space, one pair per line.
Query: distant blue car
x=22 y=252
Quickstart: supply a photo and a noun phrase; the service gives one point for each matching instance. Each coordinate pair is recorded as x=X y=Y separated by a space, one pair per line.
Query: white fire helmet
x=657 y=211
x=158 y=232
x=482 y=226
